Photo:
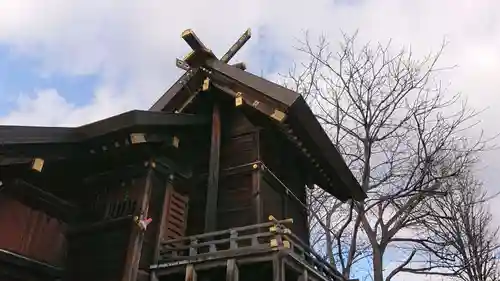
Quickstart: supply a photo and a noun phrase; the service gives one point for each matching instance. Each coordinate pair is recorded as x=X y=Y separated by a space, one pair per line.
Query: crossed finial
x=200 y=52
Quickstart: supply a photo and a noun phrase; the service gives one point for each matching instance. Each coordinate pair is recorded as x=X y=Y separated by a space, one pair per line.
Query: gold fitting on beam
x=278 y=115
x=137 y=138
x=271 y=218
x=255 y=166
x=186 y=32
x=188 y=56
x=206 y=84
x=239 y=99
x=273 y=243
x=273 y=229
x=37 y=164
x=175 y=142
x=286 y=244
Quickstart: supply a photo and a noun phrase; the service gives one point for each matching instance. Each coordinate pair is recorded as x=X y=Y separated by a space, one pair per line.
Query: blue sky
x=72 y=62
x=19 y=74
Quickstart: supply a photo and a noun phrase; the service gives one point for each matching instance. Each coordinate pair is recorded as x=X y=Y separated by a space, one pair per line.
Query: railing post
x=191 y=273
x=153 y=277
x=193 y=249
x=233 y=244
x=232 y=272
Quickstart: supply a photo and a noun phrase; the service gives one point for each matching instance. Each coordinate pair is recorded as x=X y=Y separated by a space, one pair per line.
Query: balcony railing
x=243 y=241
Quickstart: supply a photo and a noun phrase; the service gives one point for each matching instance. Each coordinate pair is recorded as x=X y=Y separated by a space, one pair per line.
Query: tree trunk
x=378 y=267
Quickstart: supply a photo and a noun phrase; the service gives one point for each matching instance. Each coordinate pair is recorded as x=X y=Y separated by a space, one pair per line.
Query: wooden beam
x=171 y=97
x=250 y=81
x=240 y=65
x=18 y=267
x=264 y=105
x=133 y=256
x=182 y=64
x=232 y=272
x=32 y=195
x=213 y=173
x=192 y=40
x=236 y=46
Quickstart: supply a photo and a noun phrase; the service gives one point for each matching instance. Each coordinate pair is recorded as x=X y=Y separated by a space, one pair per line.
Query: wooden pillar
x=278 y=269
x=232 y=272
x=162 y=223
x=213 y=173
x=191 y=273
x=256 y=202
x=136 y=238
x=256 y=183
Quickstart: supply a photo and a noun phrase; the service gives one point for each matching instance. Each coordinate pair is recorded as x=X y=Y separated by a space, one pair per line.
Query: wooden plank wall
x=97 y=249
x=285 y=163
x=31 y=233
x=239 y=147
x=236 y=191
x=168 y=209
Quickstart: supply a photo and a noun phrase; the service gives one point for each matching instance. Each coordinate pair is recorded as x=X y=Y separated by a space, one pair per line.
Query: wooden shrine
x=209 y=184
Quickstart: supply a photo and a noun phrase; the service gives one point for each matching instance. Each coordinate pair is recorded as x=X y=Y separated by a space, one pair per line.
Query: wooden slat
x=175 y=216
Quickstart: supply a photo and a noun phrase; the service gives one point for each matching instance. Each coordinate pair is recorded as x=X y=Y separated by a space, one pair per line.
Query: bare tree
x=400 y=133
x=459 y=232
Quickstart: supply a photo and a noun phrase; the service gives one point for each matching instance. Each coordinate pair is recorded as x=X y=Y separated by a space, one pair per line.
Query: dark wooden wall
x=168 y=208
x=281 y=158
x=237 y=194
x=97 y=248
x=30 y=232
x=247 y=195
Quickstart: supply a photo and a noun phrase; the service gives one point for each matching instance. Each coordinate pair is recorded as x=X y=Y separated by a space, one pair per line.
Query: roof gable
x=288 y=110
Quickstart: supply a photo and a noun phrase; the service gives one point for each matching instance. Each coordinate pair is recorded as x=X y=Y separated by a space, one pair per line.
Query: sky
x=73 y=62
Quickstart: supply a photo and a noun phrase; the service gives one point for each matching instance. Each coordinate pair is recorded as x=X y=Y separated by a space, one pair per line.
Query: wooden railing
x=247 y=240
x=235 y=241
x=306 y=254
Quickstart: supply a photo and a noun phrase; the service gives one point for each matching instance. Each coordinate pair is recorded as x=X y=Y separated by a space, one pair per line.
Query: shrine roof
x=286 y=108
x=20 y=144
x=16 y=135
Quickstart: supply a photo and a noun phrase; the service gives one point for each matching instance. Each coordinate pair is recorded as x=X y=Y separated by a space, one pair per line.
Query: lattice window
x=176 y=215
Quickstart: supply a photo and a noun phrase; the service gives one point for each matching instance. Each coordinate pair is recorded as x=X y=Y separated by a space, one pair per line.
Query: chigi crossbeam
x=181 y=192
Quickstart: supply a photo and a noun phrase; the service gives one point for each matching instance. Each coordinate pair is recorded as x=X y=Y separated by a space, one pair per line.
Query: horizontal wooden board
x=31 y=233
x=238 y=150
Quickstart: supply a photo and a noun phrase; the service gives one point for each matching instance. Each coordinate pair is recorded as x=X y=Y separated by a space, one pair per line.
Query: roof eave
x=301 y=113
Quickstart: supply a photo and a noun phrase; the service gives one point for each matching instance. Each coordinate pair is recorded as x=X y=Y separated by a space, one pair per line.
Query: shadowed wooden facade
x=209 y=184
